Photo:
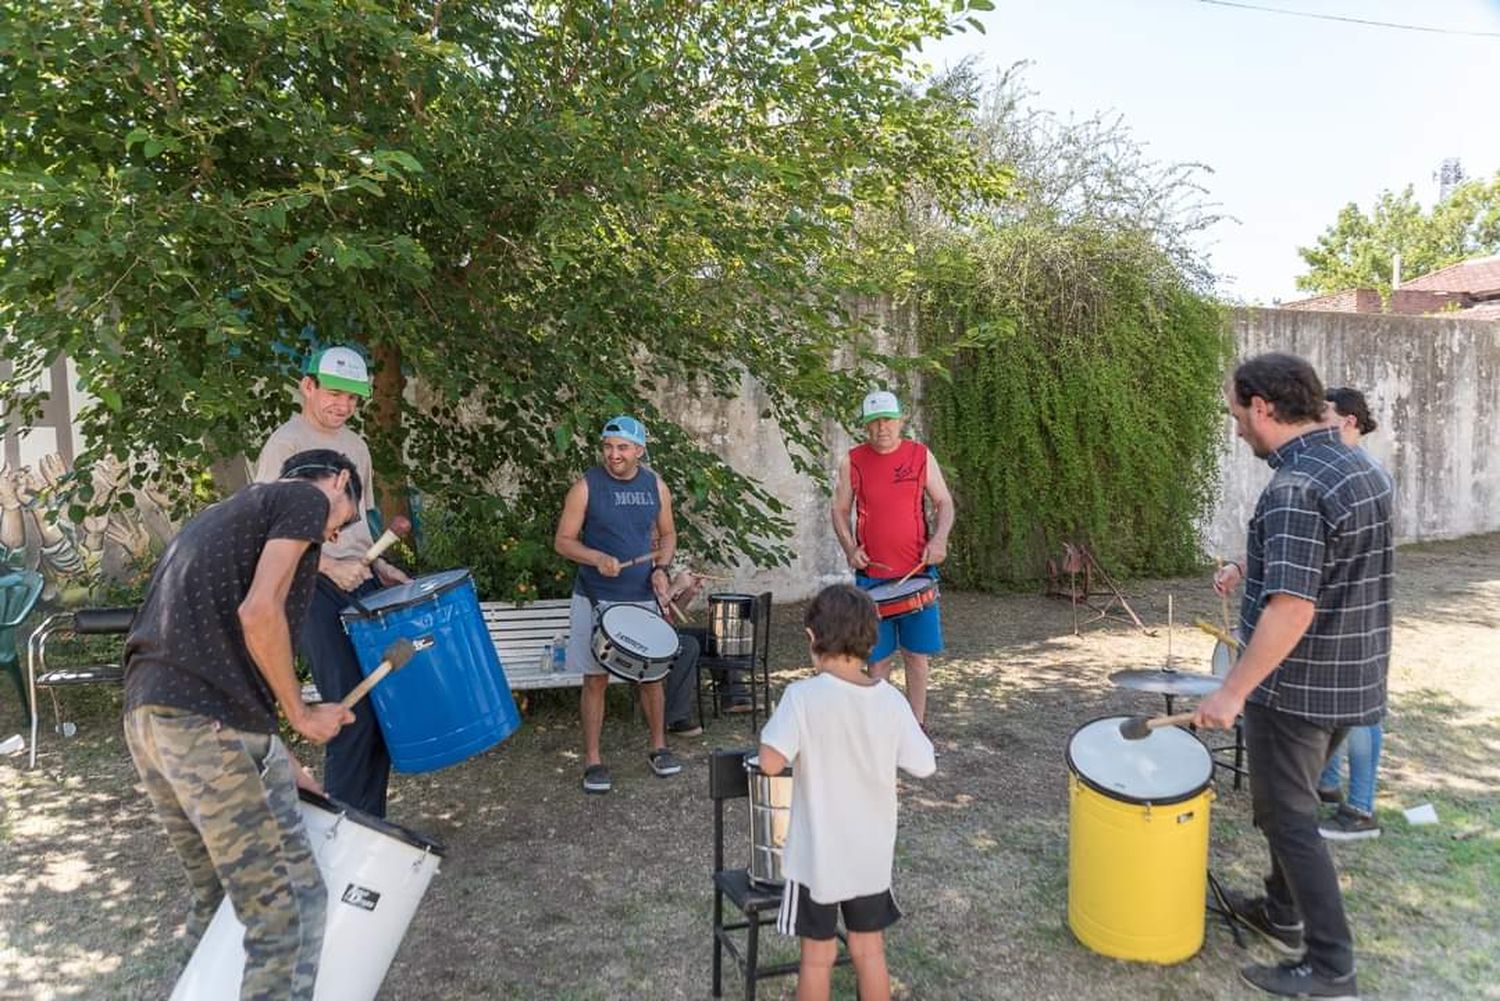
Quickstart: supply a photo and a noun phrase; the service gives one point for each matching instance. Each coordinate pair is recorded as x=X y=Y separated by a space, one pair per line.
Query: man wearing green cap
x=357 y=767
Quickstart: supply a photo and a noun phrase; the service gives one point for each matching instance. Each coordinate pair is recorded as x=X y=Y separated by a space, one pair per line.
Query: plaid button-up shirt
x=1322 y=531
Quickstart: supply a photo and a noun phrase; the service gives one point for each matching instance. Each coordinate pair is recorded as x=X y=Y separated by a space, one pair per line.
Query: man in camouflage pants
x=207 y=661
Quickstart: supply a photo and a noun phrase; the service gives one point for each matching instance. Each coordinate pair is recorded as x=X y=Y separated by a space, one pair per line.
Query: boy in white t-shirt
x=846 y=733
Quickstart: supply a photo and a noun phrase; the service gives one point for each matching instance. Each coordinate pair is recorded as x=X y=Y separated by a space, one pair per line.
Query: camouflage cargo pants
x=229 y=804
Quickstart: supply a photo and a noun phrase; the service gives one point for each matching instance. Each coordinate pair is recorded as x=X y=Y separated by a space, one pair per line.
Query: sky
x=1295 y=117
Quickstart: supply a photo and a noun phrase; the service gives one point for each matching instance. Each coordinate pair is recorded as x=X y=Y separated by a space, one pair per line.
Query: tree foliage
x=1083 y=404
x=1358 y=250
x=539 y=213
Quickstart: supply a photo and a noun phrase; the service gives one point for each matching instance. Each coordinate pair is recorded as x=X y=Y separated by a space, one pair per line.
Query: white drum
x=635 y=643
x=376 y=874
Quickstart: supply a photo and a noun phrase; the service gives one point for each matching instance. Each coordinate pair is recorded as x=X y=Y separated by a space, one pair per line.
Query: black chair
x=81 y=622
x=727 y=780
x=754 y=667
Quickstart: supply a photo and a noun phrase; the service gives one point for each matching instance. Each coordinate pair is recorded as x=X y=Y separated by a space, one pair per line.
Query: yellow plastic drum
x=1138 y=841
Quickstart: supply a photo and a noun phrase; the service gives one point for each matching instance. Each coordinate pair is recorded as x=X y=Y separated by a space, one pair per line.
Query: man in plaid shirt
x=1317 y=618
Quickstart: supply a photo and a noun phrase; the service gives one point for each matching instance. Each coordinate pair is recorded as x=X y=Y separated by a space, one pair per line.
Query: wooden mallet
x=396 y=656
x=1140 y=727
x=399 y=526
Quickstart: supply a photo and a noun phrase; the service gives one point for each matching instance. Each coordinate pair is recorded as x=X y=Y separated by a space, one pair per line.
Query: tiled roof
x=1474 y=277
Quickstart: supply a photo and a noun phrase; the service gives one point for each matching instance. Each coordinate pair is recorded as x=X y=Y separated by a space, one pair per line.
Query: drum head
x=744 y=602
x=900 y=589
x=385 y=827
x=1169 y=766
x=639 y=631
x=401 y=595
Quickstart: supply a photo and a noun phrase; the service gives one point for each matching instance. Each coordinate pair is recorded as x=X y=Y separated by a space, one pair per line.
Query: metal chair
x=727 y=780
x=82 y=622
x=19 y=591
x=755 y=666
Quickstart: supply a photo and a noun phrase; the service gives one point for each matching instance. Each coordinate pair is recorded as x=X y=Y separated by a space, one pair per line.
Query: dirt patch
x=549 y=894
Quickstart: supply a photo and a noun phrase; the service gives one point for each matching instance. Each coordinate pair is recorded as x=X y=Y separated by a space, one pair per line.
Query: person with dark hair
x=357 y=767
x=1316 y=616
x=845 y=734
x=1354 y=818
x=207 y=662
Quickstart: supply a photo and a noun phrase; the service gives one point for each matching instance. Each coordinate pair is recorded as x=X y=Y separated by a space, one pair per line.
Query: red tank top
x=890 y=521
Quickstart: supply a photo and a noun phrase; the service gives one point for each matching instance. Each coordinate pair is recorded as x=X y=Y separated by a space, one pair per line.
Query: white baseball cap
x=880 y=404
x=340 y=368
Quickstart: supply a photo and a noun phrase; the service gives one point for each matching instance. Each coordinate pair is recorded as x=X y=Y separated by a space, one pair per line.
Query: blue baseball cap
x=625 y=427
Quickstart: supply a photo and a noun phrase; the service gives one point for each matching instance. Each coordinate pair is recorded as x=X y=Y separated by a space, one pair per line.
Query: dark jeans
x=731 y=684
x=357 y=768
x=1287 y=754
x=682 y=683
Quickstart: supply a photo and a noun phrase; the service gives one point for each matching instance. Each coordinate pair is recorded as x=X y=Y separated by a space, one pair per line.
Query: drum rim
x=726 y=597
x=752 y=767
x=926 y=585
x=464 y=575
x=1116 y=794
x=403 y=834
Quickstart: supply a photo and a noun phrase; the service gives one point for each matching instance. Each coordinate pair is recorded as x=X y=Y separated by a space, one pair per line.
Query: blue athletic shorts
x=916 y=632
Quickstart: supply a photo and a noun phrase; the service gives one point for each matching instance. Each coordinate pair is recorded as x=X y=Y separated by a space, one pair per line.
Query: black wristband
x=662 y=569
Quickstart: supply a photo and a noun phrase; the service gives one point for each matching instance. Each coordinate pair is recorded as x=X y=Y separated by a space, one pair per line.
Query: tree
x=1358 y=250
x=540 y=213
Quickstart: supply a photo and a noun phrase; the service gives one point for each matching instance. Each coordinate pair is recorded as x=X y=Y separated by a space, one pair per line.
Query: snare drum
x=896 y=598
x=1138 y=841
x=634 y=643
x=376 y=874
x=452 y=700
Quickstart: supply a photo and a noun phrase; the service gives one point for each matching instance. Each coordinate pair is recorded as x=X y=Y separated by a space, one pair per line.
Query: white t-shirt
x=845 y=742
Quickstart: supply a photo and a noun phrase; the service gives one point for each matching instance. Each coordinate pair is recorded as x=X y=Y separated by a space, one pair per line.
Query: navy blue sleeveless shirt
x=619 y=520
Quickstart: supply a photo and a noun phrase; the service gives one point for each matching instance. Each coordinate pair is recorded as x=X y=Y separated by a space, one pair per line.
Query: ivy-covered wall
x=1085 y=408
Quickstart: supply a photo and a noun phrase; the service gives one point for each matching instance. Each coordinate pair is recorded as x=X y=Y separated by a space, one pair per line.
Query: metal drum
x=770 y=818
x=731 y=625
x=376 y=874
x=1138 y=841
x=451 y=701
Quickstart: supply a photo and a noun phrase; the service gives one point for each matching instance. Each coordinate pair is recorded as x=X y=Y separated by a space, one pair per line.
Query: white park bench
x=524 y=635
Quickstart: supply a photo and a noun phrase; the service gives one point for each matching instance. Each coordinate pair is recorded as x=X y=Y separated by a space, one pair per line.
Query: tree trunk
x=390 y=385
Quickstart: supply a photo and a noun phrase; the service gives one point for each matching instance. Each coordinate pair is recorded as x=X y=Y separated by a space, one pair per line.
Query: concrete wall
x=1433 y=384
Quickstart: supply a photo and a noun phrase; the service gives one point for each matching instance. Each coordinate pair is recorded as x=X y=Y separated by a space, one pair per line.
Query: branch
x=161 y=54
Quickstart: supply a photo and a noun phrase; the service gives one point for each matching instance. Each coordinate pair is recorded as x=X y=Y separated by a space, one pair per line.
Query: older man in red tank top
x=892 y=513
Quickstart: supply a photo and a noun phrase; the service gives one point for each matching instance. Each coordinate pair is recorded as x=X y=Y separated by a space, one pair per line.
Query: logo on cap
x=880 y=404
x=342 y=369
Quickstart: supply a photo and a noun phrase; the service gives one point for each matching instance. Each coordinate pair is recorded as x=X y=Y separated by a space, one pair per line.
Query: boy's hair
x=1350 y=402
x=843 y=622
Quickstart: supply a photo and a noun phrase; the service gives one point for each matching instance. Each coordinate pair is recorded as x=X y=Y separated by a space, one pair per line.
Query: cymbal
x=1167 y=682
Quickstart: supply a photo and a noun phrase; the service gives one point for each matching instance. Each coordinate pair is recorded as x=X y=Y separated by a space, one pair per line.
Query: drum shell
x=1137 y=871
x=731 y=625
x=359 y=940
x=451 y=701
x=770 y=819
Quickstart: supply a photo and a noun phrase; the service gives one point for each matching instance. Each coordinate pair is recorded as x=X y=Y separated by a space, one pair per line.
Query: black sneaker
x=1297 y=980
x=1252 y=912
x=664 y=763
x=1333 y=797
x=685 y=728
x=1348 y=824
x=596 y=779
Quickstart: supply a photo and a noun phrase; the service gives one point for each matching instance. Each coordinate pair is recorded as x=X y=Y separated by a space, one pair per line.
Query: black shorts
x=804 y=917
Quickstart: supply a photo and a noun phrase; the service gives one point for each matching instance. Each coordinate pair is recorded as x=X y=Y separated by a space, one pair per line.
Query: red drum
x=897 y=598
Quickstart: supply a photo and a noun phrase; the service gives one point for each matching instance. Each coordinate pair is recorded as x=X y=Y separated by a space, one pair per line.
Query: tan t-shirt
x=298 y=435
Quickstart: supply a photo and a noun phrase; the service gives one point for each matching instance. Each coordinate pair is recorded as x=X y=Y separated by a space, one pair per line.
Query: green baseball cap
x=340 y=368
x=879 y=404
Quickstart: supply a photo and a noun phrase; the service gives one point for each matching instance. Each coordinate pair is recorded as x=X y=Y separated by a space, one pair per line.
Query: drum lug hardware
x=333 y=831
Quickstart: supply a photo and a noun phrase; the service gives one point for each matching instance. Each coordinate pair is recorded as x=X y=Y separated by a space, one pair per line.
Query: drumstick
x=681 y=616
x=400 y=525
x=909 y=573
x=396 y=656
x=1140 y=727
x=639 y=559
x=1218 y=633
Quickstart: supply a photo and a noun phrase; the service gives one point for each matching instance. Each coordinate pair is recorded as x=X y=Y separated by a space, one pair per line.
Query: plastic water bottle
x=559 y=654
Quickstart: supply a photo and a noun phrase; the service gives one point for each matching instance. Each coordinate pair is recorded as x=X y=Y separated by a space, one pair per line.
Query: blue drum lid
x=385 y=827
x=1169 y=766
x=422 y=589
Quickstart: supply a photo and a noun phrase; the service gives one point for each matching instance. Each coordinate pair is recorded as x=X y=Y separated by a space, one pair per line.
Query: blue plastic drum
x=451 y=701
